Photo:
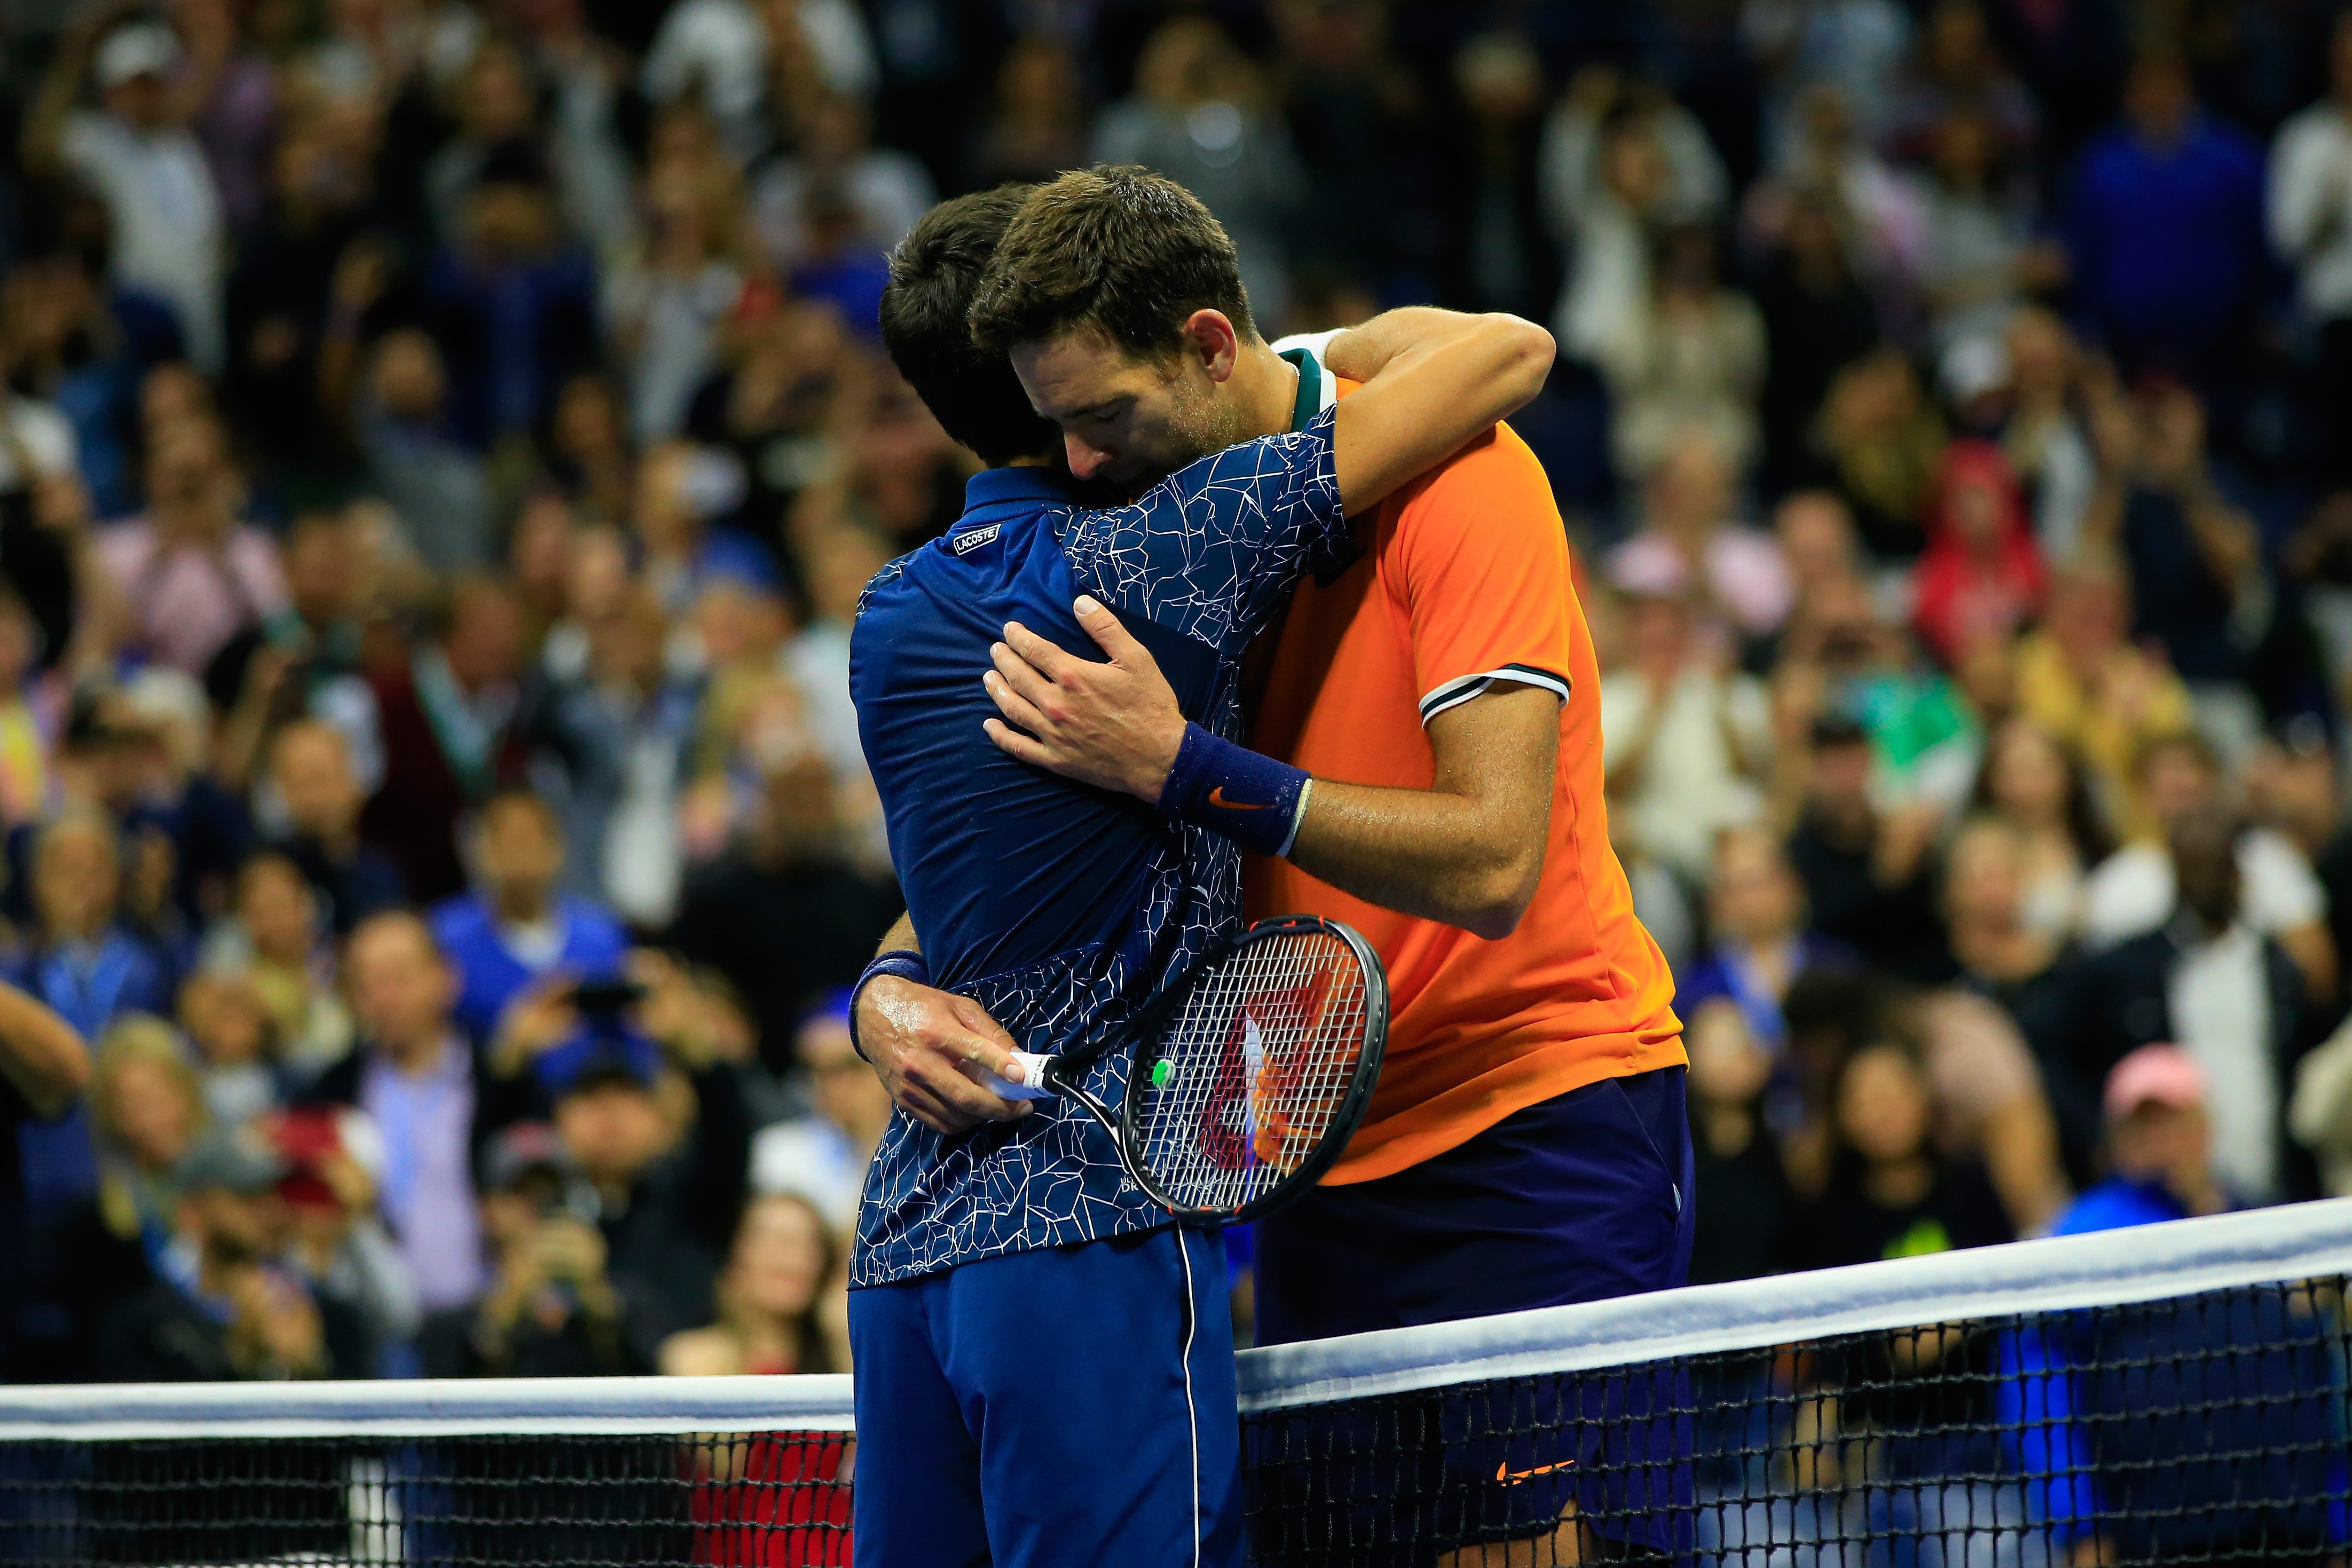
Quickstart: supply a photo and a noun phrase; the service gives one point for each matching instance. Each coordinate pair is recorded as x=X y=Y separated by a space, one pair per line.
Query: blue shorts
x=1581 y=1197
x=1061 y=1408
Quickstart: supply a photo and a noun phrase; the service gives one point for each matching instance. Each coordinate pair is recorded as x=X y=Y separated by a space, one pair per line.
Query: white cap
x=138 y=50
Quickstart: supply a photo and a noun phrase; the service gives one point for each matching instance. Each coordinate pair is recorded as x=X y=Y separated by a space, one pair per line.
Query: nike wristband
x=903 y=962
x=1253 y=801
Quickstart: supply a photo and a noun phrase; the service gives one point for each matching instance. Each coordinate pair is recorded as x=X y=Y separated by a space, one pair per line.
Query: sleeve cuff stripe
x=1461 y=688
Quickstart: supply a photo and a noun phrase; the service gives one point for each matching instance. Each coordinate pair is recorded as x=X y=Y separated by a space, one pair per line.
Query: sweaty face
x=1127 y=422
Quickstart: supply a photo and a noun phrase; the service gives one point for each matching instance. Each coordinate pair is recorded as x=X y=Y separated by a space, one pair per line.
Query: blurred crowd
x=443 y=440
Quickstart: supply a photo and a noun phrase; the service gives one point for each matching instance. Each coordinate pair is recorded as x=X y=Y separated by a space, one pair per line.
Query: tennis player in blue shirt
x=1044 y=1368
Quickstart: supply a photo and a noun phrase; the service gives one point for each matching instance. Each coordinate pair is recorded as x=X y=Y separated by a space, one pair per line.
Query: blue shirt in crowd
x=1058 y=907
x=584 y=940
x=2166 y=242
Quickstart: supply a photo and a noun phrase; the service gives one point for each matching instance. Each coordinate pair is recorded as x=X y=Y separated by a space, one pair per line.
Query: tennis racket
x=1249 y=1076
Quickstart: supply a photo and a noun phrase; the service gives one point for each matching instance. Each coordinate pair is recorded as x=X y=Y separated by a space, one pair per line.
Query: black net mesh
x=763 y=1500
x=2201 y=1430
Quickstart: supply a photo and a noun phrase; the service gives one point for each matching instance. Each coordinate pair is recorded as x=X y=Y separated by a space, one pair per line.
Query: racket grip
x=1033 y=1076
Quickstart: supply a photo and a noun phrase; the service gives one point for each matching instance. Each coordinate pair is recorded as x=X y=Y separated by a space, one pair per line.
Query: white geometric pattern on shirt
x=1210 y=553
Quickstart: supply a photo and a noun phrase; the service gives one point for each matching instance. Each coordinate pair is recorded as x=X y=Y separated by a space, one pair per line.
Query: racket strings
x=1254 y=1068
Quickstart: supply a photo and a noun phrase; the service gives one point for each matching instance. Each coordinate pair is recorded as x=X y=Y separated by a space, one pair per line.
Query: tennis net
x=2170 y=1395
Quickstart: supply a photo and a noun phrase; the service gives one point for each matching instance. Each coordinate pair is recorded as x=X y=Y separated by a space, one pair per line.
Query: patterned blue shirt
x=1058 y=907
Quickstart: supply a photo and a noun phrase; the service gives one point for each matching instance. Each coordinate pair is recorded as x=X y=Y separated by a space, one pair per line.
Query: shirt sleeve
x=1486 y=577
x=1214 y=548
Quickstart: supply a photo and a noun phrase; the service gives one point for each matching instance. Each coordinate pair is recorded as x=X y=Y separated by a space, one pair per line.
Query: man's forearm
x=1420 y=851
x=1469 y=849
x=40 y=1053
x=901 y=937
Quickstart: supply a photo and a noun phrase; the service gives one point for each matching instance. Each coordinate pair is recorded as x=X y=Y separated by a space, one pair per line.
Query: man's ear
x=1209 y=335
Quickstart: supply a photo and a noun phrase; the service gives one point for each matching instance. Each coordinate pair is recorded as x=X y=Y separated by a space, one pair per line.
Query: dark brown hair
x=1118 y=249
x=934 y=272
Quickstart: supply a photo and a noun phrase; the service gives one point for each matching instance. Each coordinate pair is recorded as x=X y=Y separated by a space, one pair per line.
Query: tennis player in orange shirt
x=1527 y=1145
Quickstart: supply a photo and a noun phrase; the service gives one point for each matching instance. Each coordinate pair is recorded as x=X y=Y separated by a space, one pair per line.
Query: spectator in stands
x=781 y=1306
x=420 y=1083
x=416 y=460
x=2081 y=678
x=2164 y=227
x=2291 y=788
x=1864 y=872
x=136 y=153
x=666 y=297
x=147 y=1108
x=221 y=1310
x=1690 y=739
x=190 y=574
x=779 y=914
x=278 y=298
x=2109 y=1446
x=510 y=300
x=1744 y=1204
x=278 y=940
x=2159 y=1146
x=1621 y=162
x=235 y=1046
x=1691 y=360
x=2198 y=584
x=517 y=927
x=444 y=715
x=1038 y=128
x=311 y=768
x=1891 y=1194
x=2310 y=192
x=613 y=736
x=335 y=1241
x=550 y=1309
x=1756 y=912
x=1878 y=442
x=85 y=965
x=822 y=1156
x=1193 y=117
x=2131 y=891
x=2039 y=791
x=1690 y=542
x=1817 y=320
x=669 y=1189
x=1981 y=576
x=2229 y=995
x=2045 y=438
x=2002 y=957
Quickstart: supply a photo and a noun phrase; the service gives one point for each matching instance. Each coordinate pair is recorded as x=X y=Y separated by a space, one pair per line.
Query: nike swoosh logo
x=1511 y=1478
x=1217 y=797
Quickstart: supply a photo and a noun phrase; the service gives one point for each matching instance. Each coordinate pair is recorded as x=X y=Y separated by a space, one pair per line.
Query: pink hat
x=2164 y=1073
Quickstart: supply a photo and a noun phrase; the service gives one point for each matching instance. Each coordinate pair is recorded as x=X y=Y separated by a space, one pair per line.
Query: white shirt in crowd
x=2311 y=207
x=723 y=45
x=165 y=213
x=2134 y=890
x=2219 y=998
x=37 y=441
x=810 y=1157
x=1693 y=787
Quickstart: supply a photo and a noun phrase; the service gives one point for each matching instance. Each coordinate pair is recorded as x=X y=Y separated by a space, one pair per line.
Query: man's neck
x=1264 y=387
x=412 y=1058
x=523 y=907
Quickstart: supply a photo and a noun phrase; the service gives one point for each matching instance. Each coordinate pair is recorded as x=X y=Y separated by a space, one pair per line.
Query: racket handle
x=1033 y=1079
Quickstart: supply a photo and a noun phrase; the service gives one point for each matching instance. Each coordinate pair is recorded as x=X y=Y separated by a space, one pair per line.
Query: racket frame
x=1125 y=1124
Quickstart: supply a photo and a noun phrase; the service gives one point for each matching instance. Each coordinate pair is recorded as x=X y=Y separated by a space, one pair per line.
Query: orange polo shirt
x=1465 y=582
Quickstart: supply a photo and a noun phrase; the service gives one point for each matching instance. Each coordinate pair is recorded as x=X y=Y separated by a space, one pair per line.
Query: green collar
x=1310 y=388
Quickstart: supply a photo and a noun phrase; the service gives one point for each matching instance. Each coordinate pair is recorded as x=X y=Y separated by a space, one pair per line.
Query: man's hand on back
x=929 y=1047
x=1115 y=726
